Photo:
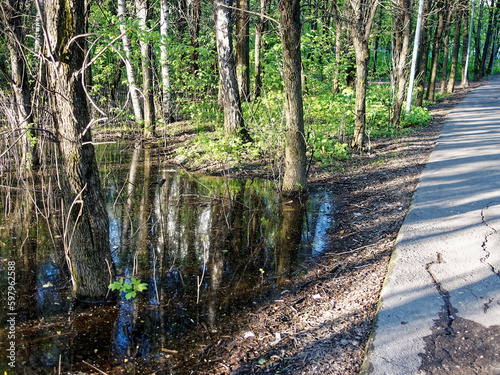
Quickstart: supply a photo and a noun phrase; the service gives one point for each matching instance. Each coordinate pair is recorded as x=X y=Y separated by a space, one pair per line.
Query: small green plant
x=418 y=116
x=130 y=288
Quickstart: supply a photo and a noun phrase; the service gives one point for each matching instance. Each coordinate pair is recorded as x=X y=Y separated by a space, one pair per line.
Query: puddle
x=208 y=248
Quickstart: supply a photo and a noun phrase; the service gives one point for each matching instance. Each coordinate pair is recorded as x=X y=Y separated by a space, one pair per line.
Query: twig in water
x=95 y=368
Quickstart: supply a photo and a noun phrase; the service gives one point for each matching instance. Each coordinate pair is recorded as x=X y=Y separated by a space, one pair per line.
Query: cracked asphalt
x=440 y=305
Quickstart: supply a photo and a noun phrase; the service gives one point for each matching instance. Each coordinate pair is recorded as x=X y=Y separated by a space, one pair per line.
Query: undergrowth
x=328 y=120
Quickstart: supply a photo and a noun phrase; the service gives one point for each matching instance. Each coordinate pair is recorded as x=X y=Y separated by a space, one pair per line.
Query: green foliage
x=418 y=116
x=272 y=61
x=329 y=123
x=329 y=118
x=318 y=58
x=130 y=288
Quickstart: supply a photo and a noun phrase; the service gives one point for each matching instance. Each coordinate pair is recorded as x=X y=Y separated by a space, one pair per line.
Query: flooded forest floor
x=321 y=322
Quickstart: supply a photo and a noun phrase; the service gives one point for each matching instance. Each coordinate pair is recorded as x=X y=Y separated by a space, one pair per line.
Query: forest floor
x=322 y=321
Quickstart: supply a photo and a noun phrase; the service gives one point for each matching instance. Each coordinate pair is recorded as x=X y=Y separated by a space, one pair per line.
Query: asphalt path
x=439 y=311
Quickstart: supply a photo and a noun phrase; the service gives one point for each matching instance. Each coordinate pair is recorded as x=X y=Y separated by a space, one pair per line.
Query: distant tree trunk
x=350 y=62
x=477 y=44
x=260 y=28
x=447 y=29
x=465 y=43
x=376 y=43
x=127 y=47
x=361 y=15
x=233 y=116
x=402 y=29
x=242 y=49
x=295 y=178
x=438 y=41
x=117 y=78
x=11 y=18
x=338 y=47
x=488 y=41
x=86 y=232
x=142 y=9
x=494 y=51
x=194 y=15
x=165 y=63
x=423 y=56
x=456 y=49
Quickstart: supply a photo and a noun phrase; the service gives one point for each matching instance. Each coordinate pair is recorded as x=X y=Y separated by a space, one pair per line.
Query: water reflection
x=207 y=248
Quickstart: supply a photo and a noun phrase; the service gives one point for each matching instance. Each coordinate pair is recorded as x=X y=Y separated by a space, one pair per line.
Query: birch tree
x=423 y=55
x=127 y=48
x=233 y=116
x=165 y=62
x=142 y=9
x=242 y=48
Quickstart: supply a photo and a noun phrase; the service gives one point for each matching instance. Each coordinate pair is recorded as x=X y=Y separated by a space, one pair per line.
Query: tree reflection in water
x=230 y=242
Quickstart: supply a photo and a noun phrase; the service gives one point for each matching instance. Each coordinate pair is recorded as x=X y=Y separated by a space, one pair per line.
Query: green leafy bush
x=130 y=288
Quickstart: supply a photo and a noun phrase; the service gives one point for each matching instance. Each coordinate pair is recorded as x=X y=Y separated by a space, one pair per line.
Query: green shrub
x=418 y=116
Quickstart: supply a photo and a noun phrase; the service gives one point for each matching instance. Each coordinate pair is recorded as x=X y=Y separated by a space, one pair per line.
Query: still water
x=208 y=248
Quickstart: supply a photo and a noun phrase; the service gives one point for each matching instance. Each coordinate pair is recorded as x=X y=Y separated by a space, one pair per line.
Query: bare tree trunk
x=142 y=9
x=438 y=39
x=465 y=42
x=477 y=60
x=127 y=47
x=295 y=178
x=401 y=43
x=242 y=49
x=494 y=51
x=488 y=40
x=423 y=56
x=11 y=19
x=233 y=117
x=447 y=29
x=260 y=28
x=361 y=15
x=165 y=63
x=362 y=58
x=86 y=235
x=456 y=49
